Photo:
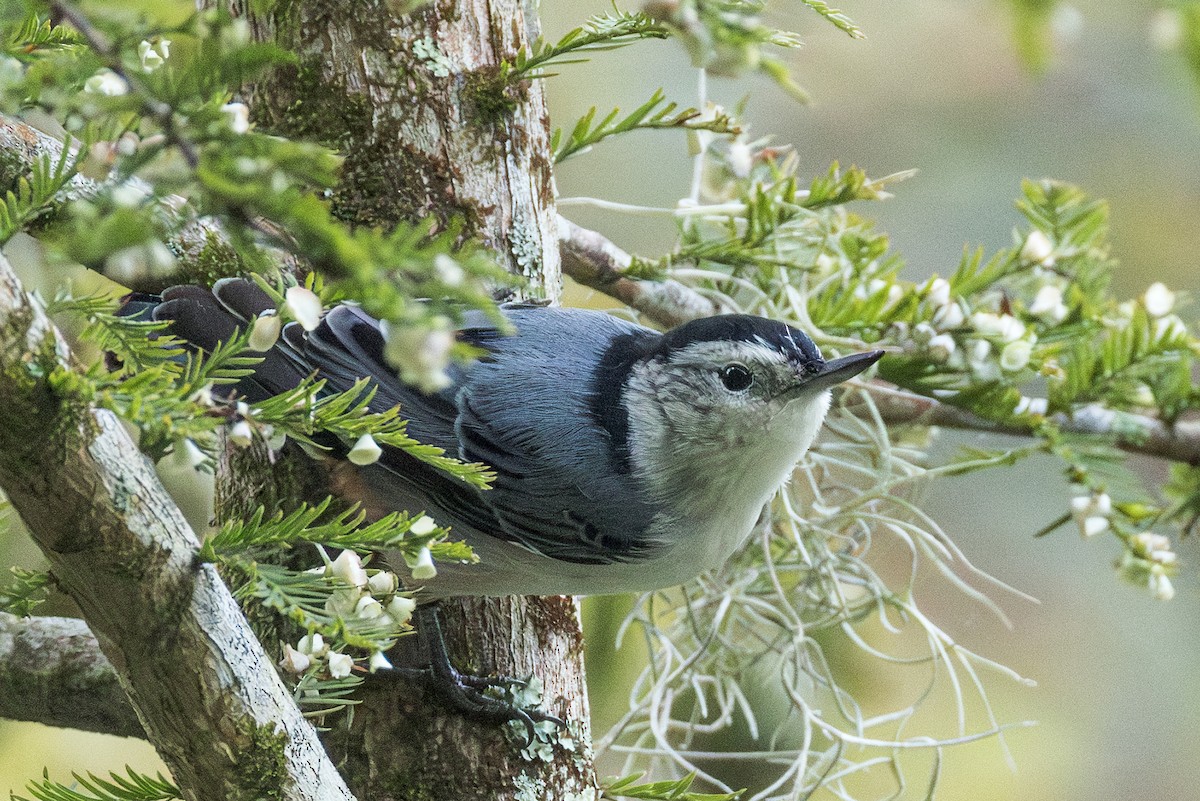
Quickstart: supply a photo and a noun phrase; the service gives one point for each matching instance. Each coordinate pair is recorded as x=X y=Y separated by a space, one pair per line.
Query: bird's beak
x=834 y=372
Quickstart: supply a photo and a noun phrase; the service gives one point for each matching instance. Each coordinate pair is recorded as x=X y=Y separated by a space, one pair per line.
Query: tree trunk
x=413 y=104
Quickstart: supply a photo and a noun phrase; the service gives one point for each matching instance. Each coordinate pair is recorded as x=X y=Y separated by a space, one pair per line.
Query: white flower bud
x=1038 y=249
x=241 y=434
x=941 y=348
x=948 y=316
x=265 y=332
x=1091 y=513
x=938 y=292
x=1142 y=395
x=384 y=582
x=422 y=567
x=304 y=306
x=312 y=644
x=349 y=568
x=980 y=349
x=294 y=661
x=1004 y=326
x=449 y=272
x=741 y=157
x=379 y=662
x=1158 y=300
x=368 y=608
x=1027 y=405
x=422 y=525
x=400 y=609
x=1160 y=586
x=341 y=603
x=1169 y=328
x=340 y=665
x=923 y=333
x=1048 y=304
x=420 y=354
x=1015 y=355
x=365 y=451
x=107 y=83
x=238 y=117
x=150 y=55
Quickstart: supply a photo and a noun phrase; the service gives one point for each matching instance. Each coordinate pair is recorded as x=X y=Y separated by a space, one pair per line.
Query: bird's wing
x=525 y=409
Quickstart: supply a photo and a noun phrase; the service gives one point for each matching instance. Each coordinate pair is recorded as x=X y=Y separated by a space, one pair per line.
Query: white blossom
x=342 y=603
x=265 y=332
x=1048 y=304
x=422 y=525
x=368 y=608
x=1160 y=585
x=130 y=194
x=1158 y=300
x=923 y=333
x=155 y=55
x=241 y=434
x=384 y=582
x=1169 y=327
x=1038 y=249
x=741 y=157
x=942 y=347
x=449 y=271
x=304 y=306
x=422 y=567
x=106 y=82
x=938 y=292
x=238 y=117
x=379 y=662
x=349 y=568
x=948 y=316
x=1027 y=405
x=1015 y=355
x=978 y=352
x=294 y=661
x=1091 y=513
x=340 y=665
x=1004 y=326
x=312 y=644
x=421 y=354
x=365 y=451
x=1153 y=547
x=400 y=609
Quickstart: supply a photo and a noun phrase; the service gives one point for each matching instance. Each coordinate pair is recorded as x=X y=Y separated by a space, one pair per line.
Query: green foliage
x=35 y=36
x=27 y=591
x=672 y=790
x=260 y=536
x=655 y=113
x=1189 y=23
x=1031 y=30
x=600 y=33
x=305 y=411
x=133 y=786
x=37 y=195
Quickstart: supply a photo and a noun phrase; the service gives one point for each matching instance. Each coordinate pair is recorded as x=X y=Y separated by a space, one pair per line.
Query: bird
x=625 y=459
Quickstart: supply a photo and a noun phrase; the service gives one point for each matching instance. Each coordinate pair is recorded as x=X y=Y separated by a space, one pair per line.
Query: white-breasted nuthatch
x=625 y=459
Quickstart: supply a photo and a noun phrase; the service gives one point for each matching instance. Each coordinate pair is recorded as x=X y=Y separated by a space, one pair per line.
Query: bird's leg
x=464 y=692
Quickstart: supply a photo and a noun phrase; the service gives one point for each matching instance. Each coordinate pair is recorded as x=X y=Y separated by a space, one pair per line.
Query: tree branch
x=53 y=672
x=593 y=260
x=119 y=546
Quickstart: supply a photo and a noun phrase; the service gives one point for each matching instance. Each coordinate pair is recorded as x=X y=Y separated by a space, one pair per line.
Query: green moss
x=215 y=259
x=262 y=767
x=492 y=96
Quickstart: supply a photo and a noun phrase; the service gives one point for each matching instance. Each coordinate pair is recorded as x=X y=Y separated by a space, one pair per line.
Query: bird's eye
x=736 y=377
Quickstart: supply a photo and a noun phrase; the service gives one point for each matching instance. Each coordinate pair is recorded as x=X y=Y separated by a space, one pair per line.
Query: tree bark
x=412 y=103
x=205 y=691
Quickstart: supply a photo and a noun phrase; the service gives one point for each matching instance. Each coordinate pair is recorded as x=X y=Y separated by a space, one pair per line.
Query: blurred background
x=940 y=86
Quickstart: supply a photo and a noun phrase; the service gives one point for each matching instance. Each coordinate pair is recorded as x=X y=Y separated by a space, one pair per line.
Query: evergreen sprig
x=599 y=33
x=669 y=790
x=35 y=36
x=655 y=113
x=306 y=411
x=132 y=786
x=38 y=194
x=315 y=525
x=27 y=591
